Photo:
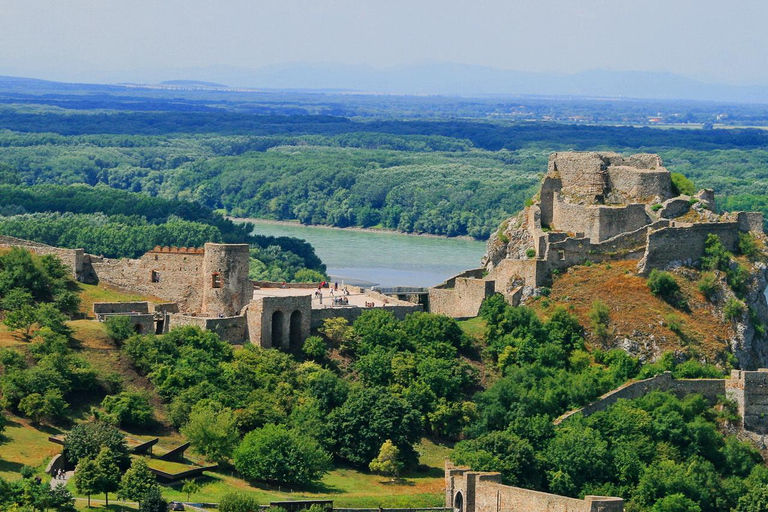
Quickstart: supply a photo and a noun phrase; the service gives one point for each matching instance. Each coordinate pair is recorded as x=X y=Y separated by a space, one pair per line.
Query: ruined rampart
x=72 y=258
x=750 y=392
x=684 y=244
x=710 y=389
x=170 y=273
x=233 y=329
x=463 y=299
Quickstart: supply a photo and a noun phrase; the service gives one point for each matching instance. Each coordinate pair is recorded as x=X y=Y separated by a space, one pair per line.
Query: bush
x=599 y=317
x=674 y=323
x=119 y=328
x=657 y=207
x=238 y=502
x=314 y=348
x=664 y=285
x=708 y=285
x=682 y=185
x=734 y=309
x=530 y=253
x=211 y=432
x=277 y=454
x=127 y=408
x=748 y=245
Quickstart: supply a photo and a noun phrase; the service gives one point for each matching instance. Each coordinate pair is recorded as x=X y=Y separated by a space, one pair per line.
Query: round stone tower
x=226 y=287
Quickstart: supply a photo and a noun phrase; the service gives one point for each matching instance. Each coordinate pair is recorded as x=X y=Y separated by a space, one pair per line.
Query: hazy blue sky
x=714 y=40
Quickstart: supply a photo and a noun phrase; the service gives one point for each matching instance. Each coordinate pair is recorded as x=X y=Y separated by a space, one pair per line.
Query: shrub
x=657 y=207
x=748 y=245
x=674 y=323
x=530 y=253
x=212 y=432
x=734 y=309
x=238 y=502
x=716 y=257
x=314 y=348
x=119 y=328
x=545 y=291
x=708 y=285
x=599 y=317
x=127 y=408
x=664 y=285
x=682 y=185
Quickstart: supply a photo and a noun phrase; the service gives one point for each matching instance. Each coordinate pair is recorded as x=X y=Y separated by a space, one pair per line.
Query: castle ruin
x=593 y=206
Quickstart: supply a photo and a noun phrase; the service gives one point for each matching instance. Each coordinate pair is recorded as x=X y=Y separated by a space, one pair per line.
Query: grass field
x=24 y=445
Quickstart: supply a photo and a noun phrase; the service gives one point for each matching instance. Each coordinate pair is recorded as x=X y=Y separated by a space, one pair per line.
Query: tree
x=87 y=478
x=369 y=417
x=61 y=498
x=676 y=503
x=22 y=319
x=238 y=502
x=153 y=501
x=212 y=432
x=387 y=462
x=50 y=405
x=119 y=328
x=108 y=466
x=137 y=481
x=191 y=487
x=278 y=454
x=86 y=439
x=128 y=408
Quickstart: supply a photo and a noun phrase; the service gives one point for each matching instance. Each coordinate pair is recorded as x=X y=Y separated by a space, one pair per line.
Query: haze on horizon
x=114 y=41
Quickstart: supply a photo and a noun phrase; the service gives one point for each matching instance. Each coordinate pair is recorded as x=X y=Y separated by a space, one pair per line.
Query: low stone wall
x=352 y=313
x=102 y=308
x=474 y=491
x=233 y=329
x=750 y=392
x=710 y=389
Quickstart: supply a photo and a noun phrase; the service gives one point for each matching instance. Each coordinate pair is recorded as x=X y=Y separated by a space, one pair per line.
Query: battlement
x=177 y=250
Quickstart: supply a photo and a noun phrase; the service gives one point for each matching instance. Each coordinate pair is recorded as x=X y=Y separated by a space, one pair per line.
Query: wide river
x=383 y=258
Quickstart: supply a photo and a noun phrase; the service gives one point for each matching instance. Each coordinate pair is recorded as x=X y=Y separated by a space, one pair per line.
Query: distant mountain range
x=442 y=79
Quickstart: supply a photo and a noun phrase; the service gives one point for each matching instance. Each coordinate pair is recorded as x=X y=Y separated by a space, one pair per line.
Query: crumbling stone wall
x=685 y=244
x=750 y=392
x=233 y=329
x=72 y=258
x=474 y=491
x=711 y=389
x=170 y=273
x=463 y=300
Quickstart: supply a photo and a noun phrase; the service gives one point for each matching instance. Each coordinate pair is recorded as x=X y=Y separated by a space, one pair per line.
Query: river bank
x=350 y=228
x=369 y=257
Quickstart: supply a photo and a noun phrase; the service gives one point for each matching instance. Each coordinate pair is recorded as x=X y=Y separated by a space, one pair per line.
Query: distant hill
x=191 y=83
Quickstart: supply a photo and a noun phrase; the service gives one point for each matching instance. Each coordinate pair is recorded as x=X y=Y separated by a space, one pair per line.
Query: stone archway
x=458 y=502
x=295 y=329
x=277 y=329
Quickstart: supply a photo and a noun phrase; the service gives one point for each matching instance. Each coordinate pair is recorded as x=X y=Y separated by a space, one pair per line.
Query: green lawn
x=24 y=445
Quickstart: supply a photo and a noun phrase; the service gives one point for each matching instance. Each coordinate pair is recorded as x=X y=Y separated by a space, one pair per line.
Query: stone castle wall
x=233 y=329
x=171 y=274
x=353 y=313
x=710 y=389
x=750 y=392
x=463 y=300
x=685 y=244
x=72 y=258
x=226 y=286
x=474 y=491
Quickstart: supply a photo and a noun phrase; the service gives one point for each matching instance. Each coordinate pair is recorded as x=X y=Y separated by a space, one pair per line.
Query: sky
x=108 y=40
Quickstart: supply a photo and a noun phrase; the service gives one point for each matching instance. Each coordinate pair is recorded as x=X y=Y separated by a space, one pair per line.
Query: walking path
x=66 y=476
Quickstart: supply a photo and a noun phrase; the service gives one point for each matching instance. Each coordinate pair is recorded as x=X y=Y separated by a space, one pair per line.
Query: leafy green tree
x=502 y=451
x=599 y=317
x=191 y=487
x=279 y=454
x=128 y=408
x=119 y=328
x=153 y=501
x=682 y=185
x=22 y=319
x=61 y=499
x=387 y=462
x=212 y=431
x=87 y=478
x=368 y=418
x=756 y=499
x=50 y=405
x=108 y=464
x=137 y=481
x=664 y=285
x=676 y=503
x=85 y=440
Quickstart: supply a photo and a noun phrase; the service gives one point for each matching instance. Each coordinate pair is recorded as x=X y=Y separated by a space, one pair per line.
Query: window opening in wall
x=561 y=255
x=155 y=276
x=155 y=257
x=216 y=280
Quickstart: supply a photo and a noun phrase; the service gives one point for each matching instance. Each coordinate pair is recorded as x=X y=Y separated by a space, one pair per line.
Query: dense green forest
x=458 y=177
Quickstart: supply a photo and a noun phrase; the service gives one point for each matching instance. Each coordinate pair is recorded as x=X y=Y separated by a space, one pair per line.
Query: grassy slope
x=637 y=314
x=25 y=444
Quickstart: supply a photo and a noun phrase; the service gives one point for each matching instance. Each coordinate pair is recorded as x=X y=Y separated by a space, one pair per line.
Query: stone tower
x=226 y=287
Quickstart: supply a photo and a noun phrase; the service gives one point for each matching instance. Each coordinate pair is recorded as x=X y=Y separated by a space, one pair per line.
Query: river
x=383 y=258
